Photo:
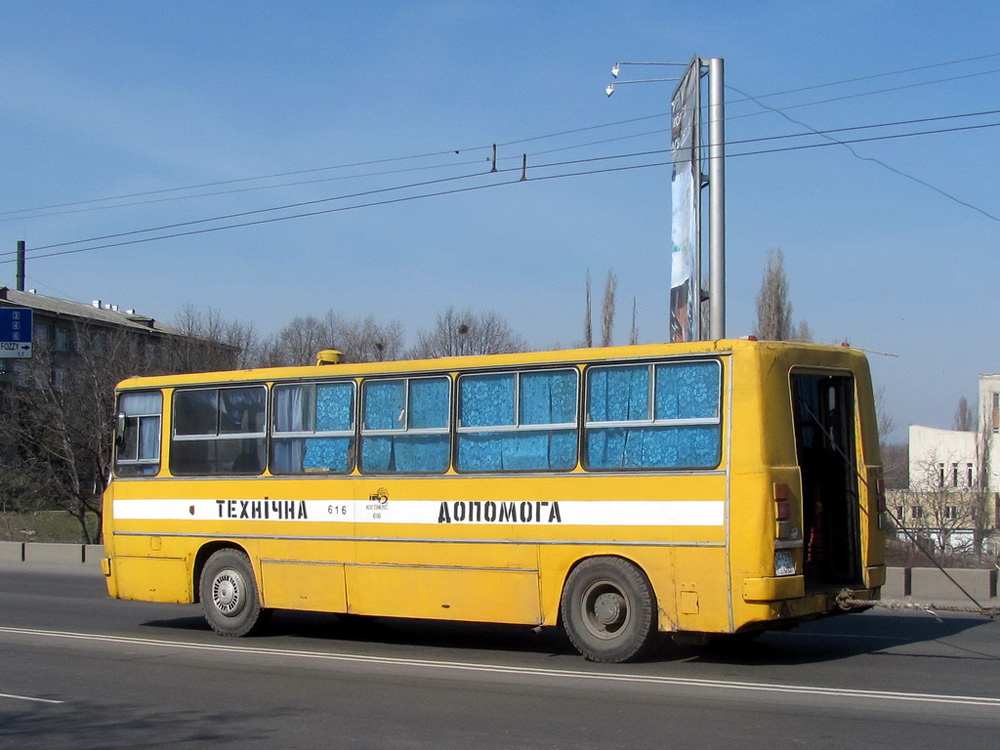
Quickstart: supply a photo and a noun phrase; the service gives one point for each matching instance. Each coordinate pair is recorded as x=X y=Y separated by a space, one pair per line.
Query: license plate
x=783 y=563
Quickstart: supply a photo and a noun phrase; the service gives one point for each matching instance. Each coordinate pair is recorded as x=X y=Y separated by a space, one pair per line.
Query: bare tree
x=214 y=343
x=633 y=337
x=370 y=341
x=965 y=417
x=938 y=507
x=774 y=311
x=461 y=332
x=57 y=420
x=886 y=424
x=588 y=330
x=364 y=340
x=896 y=466
x=608 y=309
x=801 y=332
x=298 y=342
x=982 y=498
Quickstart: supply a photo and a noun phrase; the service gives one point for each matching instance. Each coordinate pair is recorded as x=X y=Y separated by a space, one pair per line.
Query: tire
x=608 y=610
x=229 y=595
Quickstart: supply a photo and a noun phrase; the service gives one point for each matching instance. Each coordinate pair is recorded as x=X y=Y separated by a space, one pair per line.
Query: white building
x=942 y=459
x=948 y=471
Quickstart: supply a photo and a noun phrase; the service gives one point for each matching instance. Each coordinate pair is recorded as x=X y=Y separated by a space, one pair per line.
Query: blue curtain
x=428 y=403
x=544 y=398
x=687 y=390
x=383 y=406
x=320 y=407
x=427 y=409
x=328 y=454
x=486 y=400
x=334 y=407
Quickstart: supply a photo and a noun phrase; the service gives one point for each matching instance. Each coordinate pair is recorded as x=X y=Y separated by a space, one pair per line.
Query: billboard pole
x=717 y=198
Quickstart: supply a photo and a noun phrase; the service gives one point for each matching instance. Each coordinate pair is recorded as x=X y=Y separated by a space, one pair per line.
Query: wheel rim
x=228 y=589
x=605 y=609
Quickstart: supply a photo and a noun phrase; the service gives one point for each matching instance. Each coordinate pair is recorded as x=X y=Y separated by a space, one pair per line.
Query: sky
x=353 y=143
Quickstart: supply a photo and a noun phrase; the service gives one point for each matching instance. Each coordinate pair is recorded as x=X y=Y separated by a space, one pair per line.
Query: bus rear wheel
x=608 y=611
x=229 y=596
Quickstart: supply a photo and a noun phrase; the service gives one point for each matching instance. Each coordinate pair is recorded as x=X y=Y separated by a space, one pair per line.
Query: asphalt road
x=81 y=670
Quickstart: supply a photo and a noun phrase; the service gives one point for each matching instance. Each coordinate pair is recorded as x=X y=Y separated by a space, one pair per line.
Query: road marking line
x=759 y=687
x=13 y=697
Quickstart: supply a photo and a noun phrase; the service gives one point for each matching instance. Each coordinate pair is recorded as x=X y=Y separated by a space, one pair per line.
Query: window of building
x=517 y=421
x=313 y=428
x=218 y=430
x=940 y=475
x=916 y=511
x=405 y=425
x=900 y=512
x=969 y=477
x=951 y=512
x=654 y=416
x=954 y=475
x=60 y=378
x=63 y=336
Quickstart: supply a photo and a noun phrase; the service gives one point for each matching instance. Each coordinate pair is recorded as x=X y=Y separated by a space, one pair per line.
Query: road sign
x=15 y=333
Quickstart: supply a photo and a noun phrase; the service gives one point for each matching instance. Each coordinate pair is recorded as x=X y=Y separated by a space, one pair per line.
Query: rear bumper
x=773 y=588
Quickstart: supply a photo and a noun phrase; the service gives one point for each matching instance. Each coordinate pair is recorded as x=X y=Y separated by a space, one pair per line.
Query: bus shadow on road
x=837 y=638
x=817 y=642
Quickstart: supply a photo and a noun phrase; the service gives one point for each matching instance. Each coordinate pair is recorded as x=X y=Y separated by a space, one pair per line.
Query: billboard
x=685 y=186
x=15 y=332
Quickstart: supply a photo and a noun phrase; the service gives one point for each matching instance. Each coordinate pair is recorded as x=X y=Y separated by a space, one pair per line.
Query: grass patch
x=44 y=526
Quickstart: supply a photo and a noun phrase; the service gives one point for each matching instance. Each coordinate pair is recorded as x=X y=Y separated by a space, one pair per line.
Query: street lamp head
x=610 y=89
x=616 y=70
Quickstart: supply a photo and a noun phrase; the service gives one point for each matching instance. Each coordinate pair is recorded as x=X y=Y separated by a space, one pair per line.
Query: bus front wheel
x=229 y=596
x=608 y=610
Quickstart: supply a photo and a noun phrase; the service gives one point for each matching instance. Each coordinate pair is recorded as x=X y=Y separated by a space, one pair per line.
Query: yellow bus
x=709 y=488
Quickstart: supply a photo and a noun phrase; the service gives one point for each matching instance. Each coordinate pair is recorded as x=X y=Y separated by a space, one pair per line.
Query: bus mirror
x=119 y=427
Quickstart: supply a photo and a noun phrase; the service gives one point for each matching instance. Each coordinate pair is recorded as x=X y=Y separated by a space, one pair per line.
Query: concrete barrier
x=897 y=583
x=932 y=585
x=11 y=551
x=53 y=554
x=92 y=554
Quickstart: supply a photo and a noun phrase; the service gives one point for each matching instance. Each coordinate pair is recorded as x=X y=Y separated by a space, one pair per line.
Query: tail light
x=782 y=502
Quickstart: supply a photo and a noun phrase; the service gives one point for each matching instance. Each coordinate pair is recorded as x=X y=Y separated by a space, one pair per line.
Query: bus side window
x=218 y=431
x=522 y=421
x=137 y=450
x=405 y=425
x=662 y=416
x=313 y=428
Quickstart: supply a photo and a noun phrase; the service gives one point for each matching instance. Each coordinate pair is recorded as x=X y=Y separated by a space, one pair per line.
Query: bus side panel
x=701 y=583
x=507 y=596
x=312 y=586
x=152 y=579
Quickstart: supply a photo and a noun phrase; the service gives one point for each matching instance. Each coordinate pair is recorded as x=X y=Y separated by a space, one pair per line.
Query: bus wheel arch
x=608 y=609
x=229 y=592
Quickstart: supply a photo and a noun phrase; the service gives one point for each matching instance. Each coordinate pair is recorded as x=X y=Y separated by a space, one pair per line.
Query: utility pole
x=20 y=265
x=717 y=198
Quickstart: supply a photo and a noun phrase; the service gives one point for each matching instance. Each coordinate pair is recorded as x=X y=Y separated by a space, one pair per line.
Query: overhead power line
x=828 y=135
x=402 y=199
x=428 y=183
x=19 y=213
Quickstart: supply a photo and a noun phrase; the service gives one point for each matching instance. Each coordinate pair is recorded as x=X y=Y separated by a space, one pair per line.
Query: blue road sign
x=15 y=332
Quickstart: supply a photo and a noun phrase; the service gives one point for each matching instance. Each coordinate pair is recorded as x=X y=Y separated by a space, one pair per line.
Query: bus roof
x=445 y=364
